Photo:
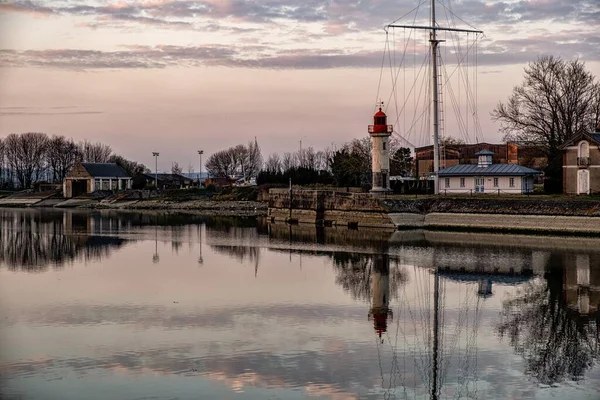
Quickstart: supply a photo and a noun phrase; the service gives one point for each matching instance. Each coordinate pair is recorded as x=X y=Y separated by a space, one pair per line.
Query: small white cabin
x=486 y=177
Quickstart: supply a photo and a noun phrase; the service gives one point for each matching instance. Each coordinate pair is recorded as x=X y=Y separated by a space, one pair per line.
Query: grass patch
x=181 y=195
x=245 y=193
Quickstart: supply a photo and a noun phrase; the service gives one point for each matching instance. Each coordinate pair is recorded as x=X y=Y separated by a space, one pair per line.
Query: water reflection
x=380 y=293
x=553 y=323
x=552 y=320
x=33 y=241
x=368 y=314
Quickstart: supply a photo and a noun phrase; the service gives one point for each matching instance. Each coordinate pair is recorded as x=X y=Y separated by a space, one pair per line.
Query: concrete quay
x=354 y=210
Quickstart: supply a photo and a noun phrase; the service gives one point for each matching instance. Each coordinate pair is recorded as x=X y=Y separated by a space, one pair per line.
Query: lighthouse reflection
x=380 y=311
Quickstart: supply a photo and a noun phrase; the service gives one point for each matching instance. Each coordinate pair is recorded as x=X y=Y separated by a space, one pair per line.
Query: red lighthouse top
x=380 y=126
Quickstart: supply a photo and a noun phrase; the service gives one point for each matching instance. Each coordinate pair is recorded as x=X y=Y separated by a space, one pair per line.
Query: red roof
x=379 y=113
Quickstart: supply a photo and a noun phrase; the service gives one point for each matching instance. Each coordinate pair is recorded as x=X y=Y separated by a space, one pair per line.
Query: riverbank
x=231 y=202
x=205 y=207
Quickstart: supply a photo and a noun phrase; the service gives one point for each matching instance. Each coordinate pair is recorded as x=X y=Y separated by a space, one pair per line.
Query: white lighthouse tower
x=380 y=133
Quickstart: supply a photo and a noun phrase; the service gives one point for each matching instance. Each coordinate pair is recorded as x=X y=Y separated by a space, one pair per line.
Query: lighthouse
x=380 y=133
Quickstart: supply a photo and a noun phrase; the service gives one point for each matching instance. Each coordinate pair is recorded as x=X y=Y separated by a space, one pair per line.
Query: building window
x=584 y=149
x=447 y=182
x=511 y=182
x=495 y=182
x=462 y=182
x=384 y=145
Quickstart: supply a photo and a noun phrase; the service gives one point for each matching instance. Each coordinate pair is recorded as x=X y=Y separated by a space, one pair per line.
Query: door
x=479 y=185
x=583 y=181
x=79 y=187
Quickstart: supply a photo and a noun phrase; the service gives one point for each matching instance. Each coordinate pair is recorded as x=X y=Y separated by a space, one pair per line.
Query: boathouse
x=486 y=177
x=91 y=177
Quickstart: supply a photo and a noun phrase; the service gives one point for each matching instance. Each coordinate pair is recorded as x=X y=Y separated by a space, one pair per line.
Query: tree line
x=348 y=165
x=27 y=158
x=241 y=161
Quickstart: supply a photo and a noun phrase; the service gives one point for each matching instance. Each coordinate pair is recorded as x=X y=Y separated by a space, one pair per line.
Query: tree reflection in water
x=354 y=273
x=33 y=241
x=548 y=327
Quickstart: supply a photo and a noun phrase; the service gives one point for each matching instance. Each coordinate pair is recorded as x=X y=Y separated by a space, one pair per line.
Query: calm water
x=106 y=305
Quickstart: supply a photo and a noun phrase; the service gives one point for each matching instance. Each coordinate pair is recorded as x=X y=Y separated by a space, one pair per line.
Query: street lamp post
x=200 y=152
x=155 y=154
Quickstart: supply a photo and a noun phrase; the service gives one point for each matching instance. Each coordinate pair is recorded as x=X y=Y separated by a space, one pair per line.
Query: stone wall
x=330 y=208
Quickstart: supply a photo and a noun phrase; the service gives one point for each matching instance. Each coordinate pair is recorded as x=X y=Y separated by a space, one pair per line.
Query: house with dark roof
x=92 y=177
x=581 y=163
x=167 y=181
x=486 y=177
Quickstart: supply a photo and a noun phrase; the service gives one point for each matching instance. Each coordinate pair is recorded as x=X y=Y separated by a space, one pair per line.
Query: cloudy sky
x=176 y=76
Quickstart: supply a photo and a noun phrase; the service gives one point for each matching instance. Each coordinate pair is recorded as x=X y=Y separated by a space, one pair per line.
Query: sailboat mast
x=434 y=42
x=436 y=117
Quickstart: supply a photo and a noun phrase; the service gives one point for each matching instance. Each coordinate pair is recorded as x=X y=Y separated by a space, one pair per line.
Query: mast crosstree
x=434 y=45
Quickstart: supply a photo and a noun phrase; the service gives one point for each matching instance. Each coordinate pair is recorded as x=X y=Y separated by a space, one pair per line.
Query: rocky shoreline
x=205 y=207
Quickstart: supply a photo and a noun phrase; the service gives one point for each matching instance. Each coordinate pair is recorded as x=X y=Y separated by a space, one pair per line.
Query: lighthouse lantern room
x=380 y=133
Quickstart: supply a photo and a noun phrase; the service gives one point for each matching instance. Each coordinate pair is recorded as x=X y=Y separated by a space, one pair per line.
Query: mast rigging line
x=402 y=61
x=454 y=15
x=387 y=46
x=471 y=101
x=415 y=80
x=460 y=61
x=416 y=8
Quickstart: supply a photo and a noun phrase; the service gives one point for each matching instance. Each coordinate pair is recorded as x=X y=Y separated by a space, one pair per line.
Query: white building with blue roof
x=486 y=177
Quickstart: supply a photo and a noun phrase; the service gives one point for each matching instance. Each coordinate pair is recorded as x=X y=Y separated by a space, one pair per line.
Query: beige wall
x=570 y=169
x=469 y=187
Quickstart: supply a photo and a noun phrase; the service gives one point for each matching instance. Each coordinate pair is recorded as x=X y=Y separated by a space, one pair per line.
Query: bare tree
x=556 y=100
x=240 y=157
x=176 y=169
x=221 y=164
x=288 y=161
x=254 y=160
x=326 y=157
x=61 y=155
x=309 y=157
x=95 y=152
x=25 y=154
x=132 y=168
x=273 y=163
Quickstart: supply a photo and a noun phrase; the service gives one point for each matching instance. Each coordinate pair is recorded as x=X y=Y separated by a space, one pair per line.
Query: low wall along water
x=353 y=210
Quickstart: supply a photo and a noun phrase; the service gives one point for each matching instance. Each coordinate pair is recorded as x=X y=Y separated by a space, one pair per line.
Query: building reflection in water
x=380 y=292
x=33 y=241
x=551 y=321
